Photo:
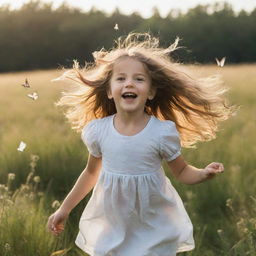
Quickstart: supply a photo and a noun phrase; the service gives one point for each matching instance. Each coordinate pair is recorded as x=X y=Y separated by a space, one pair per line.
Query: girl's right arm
x=82 y=187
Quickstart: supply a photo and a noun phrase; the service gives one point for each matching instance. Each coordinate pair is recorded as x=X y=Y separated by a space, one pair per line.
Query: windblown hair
x=195 y=105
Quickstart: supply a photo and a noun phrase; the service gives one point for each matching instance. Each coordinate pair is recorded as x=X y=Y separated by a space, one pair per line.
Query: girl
x=136 y=107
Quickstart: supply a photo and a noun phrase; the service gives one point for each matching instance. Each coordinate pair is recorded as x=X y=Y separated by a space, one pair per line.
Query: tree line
x=37 y=36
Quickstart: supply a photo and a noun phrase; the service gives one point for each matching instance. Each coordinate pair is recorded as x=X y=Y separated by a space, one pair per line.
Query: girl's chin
x=129 y=100
x=130 y=109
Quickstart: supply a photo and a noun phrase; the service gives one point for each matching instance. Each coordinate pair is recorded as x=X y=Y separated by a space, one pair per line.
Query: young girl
x=136 y=107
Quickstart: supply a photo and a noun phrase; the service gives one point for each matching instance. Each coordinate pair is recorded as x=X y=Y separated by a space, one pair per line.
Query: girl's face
x=130 y=85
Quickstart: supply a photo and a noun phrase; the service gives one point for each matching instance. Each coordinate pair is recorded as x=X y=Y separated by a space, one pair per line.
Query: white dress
x=134 y=210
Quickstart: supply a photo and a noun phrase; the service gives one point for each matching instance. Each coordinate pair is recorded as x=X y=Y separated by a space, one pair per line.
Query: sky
x=144 y=7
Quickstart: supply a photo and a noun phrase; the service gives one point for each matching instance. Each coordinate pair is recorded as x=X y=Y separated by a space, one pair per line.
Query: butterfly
x=221 y=62
x=21 y=146
x=33 y=95
x=116 y=27
x=26 y=84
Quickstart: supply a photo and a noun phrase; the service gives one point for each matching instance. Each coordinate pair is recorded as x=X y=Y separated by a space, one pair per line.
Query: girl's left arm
x=189 y=174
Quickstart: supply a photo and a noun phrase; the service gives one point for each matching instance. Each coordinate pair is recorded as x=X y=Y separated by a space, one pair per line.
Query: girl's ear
x=152 y=93
x=109 y=94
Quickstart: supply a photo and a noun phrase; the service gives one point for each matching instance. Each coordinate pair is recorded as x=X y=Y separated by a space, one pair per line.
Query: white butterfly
x=116 y=27
x=21 y=146
x=33 y=95
x=221 y=62
x=26 y=84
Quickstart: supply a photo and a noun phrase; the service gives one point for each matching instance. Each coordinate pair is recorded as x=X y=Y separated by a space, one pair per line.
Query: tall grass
x=23 y=217
x=222 y=210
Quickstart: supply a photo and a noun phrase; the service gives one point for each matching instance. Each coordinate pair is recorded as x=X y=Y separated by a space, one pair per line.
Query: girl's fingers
x=220 y=168
x=56 y=228
x=215 y=170
x=49 y=224
x=217 y=166
x=212 y=171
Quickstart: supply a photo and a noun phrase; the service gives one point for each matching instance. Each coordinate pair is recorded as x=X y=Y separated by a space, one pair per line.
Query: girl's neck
x=132 y=119
x=131 y=124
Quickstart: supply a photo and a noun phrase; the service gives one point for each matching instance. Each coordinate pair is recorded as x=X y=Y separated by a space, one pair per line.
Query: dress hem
x=185 y=248
x=89 y=249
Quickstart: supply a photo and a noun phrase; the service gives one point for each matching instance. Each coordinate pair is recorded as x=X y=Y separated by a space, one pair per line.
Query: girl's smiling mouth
x=130 y=95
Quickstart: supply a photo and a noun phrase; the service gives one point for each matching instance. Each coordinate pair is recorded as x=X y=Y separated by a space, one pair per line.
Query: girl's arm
x=189 y=174
x=85 y=182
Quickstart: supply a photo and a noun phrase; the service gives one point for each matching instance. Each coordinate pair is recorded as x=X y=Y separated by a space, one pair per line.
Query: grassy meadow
x=33 y=182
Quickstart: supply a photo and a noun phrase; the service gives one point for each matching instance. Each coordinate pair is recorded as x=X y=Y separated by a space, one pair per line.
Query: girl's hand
x=56 y=222
x=211 y=170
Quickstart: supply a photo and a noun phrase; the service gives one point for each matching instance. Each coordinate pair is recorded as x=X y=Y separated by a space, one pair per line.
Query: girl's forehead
x=128 y=64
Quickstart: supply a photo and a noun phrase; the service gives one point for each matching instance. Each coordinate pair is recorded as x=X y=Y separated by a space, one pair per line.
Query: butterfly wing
x=33 y=96
x=222 y=62
x=116 y=27
x=22 y=146
x=218 y=62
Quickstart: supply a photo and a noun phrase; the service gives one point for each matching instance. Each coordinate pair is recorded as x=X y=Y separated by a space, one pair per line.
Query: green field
x=223 y=210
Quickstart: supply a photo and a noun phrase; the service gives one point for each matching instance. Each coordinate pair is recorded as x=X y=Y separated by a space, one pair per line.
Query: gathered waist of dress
x=133 y=172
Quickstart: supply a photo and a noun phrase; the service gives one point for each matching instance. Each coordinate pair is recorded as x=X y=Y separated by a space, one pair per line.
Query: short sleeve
x=90 y=138
x=170 y=147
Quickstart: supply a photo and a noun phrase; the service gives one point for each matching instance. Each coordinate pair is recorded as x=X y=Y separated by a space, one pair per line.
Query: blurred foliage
x=39 y=36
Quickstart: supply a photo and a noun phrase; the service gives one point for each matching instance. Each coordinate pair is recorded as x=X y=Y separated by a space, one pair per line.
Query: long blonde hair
x=195 y=105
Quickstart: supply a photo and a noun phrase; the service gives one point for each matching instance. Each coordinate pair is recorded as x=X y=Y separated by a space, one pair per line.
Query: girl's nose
x=129 y=83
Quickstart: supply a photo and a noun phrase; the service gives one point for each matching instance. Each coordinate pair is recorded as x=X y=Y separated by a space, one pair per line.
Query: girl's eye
x=120 y=78
x=140 y=79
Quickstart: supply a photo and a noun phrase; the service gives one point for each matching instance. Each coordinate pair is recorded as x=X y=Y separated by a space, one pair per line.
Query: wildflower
x=11 y=176
x=245 y=230
x=55 y=204
x=34 y=158
x=36 y=179
x=219 y=231
x=3 y=188
x=241 y=225
x=229 y=203
x=7 y=247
